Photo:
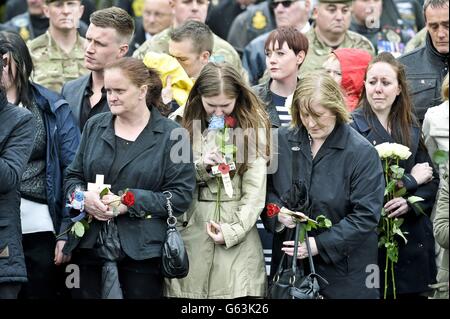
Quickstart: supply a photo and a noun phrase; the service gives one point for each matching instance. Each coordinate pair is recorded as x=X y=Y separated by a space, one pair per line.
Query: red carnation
x=272 y=210
x=128 y=199
x=230 y=121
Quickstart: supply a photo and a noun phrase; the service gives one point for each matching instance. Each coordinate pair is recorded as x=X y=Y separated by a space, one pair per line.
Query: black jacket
x=345 y=182
x=147 y=172
x=16 y=140
x=425 y=78
x=138 y=36
x=264 y=93
x=416 y=267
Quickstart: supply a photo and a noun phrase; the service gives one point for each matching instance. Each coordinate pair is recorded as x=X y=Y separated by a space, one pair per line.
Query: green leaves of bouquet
x=320 y=222
x=390 y=228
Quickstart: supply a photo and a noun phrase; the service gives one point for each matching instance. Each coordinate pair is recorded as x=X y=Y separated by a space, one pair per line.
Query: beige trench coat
x=235 y=269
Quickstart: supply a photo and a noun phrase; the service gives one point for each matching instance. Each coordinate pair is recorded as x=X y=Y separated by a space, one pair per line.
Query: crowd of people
x=114 y=112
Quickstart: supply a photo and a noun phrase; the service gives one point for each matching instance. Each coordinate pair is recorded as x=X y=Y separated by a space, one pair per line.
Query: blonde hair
x=318 y=87
x=444 y=89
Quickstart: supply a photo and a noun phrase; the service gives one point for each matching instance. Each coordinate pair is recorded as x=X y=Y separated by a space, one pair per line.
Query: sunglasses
x=286 y=3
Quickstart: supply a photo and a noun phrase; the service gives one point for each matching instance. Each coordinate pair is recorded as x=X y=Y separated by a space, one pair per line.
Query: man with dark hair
x=427 y=66
x=191 y=44
x=108 y=38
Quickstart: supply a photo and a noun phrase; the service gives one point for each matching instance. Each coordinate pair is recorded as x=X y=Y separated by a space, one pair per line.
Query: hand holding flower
x=94 y=206
x=212 y=158
x=287 y=220
x=396 y=207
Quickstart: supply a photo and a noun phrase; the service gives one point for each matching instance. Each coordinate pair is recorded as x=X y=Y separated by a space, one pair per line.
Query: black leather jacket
x=425 y=71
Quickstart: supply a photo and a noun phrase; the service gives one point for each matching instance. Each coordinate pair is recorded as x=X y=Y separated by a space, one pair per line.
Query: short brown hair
x=197 y=32
x=115 y=18
x=296 y=41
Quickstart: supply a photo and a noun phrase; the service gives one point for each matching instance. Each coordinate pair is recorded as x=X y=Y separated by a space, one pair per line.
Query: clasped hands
x=104 y=209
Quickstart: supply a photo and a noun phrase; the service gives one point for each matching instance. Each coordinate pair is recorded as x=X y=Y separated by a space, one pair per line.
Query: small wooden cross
x=98 y=186
x=223 y=170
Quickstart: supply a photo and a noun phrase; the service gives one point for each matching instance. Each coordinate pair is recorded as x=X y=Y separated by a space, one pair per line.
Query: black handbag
x=174 y=258
x=291 y=283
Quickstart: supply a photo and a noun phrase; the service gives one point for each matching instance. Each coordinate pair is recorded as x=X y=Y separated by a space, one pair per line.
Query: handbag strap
x=171 y=220
x=294 y=257
x=310 y=258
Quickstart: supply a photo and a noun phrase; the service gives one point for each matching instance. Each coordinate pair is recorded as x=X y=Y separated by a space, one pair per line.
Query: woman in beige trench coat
x=225 y=253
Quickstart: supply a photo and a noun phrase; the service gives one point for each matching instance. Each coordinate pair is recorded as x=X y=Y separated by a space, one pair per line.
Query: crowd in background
x=94 y=88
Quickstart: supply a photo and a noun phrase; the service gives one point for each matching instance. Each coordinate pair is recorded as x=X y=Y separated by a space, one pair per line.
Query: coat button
x=374 y=142
x=185 y=224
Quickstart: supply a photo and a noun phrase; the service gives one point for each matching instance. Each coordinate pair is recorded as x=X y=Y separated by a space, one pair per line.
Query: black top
x=87 y=110
x=40 y=25
x=120 y=156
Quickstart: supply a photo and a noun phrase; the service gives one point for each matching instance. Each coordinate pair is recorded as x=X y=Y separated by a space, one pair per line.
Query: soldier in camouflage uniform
x=58 y=54
x=331 y=32
x=222 y=51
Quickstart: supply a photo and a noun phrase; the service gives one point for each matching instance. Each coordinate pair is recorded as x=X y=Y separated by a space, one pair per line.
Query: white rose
x=401 y=151
x=384 y=150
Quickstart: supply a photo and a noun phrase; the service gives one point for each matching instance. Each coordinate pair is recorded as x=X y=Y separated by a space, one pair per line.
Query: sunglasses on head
x=286 y=3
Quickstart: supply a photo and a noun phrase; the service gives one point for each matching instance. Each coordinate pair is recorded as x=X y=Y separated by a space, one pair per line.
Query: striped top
x=282 y=108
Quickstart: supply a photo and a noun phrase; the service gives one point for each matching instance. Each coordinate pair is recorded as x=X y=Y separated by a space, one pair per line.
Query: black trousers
x=9 y=290
x=139 y=279
x=45 y=279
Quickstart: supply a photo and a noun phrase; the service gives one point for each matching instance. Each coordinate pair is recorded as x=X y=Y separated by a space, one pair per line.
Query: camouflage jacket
x=52 y=66
x=318 y=51
x=222 y=50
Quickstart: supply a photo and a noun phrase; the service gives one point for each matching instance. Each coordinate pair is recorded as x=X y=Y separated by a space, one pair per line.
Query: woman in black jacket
x=131 y=147
x=385 y=115
x=55 y=143
x=16 y=138
x=344 y=179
